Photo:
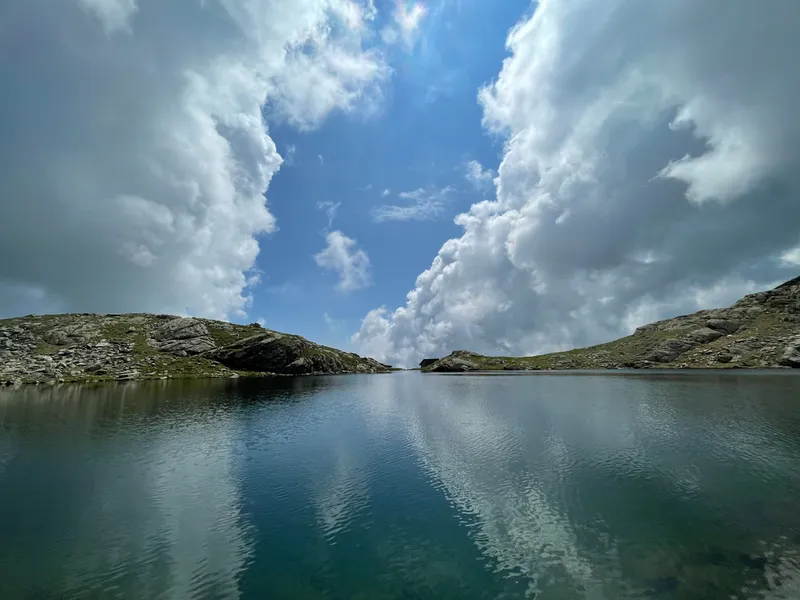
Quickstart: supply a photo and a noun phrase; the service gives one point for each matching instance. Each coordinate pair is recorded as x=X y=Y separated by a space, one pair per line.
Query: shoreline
x=588 y=372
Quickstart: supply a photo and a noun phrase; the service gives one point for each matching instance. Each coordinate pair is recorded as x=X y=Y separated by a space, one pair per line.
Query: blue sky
x=427 y=129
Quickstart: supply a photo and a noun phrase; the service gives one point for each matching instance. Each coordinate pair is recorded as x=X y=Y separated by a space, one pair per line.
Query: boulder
x=182 y=336
x=746 y=346
x=668 y=350
x=70 y=334
x=791 y=354
x=182 y=328
x=726 y=326
x=703 y=335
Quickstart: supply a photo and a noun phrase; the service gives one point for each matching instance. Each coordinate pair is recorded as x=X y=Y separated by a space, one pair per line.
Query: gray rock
x=181 y=328
x=726 y=326
x=454 y=365
x=790 y=358
x=97 y=368
x=459 y=361
x=704 y=335
x=272 y=352
x=745 y=346
x=186 y=347
x=791 y=354
x=57 y=337
x=182 y=336
x=70 y=334
x=669 y=350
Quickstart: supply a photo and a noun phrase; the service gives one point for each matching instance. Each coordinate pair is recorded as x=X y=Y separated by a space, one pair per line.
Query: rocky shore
x=760 y=331
x=92 y=347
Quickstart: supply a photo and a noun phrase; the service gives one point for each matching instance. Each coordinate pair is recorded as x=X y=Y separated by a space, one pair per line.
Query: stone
x=791 y=354
x=726 y=326
x=182 y=336
x=96 y=369
x=181 y=328
x=186 y=347
x=56 y=337
x=459 y=361
x=669 y=350
x=704 y=335
x=273 y=352
x=299 y=365
x=69 y=334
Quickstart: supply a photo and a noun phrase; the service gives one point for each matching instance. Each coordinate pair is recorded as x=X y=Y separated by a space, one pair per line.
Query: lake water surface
x=595 y=486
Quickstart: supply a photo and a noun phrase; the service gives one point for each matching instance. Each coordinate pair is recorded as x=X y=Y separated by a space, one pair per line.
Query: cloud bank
x=135 y=154
x=650 y=168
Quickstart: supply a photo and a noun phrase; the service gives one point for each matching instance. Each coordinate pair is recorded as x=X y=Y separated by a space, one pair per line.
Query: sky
x=399 y=178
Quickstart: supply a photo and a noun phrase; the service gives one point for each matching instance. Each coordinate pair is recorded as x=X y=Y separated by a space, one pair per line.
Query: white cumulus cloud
x=350 y=263
x=641 y=178
x=135 y=156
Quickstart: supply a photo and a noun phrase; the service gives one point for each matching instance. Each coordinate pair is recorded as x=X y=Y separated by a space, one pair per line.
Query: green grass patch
x=45 y=348
x=227 y=335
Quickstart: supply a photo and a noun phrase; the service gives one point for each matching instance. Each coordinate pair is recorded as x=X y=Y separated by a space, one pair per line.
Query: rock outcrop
x=458 y=361
x=761 y=330
x=791 y=354
x=90 y=347
x=182 y=336
x=280 y=353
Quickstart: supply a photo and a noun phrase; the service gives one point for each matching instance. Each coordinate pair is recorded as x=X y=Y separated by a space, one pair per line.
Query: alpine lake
x=554 y=486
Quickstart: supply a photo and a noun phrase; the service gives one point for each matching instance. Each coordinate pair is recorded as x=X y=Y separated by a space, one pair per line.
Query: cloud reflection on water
x=162 y=511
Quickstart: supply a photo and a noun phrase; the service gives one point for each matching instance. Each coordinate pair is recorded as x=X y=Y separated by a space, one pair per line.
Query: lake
x=407 y=485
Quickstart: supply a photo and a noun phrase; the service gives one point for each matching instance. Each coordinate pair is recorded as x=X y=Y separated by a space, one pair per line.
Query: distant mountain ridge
x=92 y=347
x=762 y=330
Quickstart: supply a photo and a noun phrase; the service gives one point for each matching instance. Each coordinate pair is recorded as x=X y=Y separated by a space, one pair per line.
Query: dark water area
x=594 y=486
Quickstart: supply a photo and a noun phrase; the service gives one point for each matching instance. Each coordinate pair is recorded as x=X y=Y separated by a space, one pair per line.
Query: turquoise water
x=595 y=486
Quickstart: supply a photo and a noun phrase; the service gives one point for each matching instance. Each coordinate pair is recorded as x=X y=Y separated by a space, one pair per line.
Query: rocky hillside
x=90 y=347
x=761 y=330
